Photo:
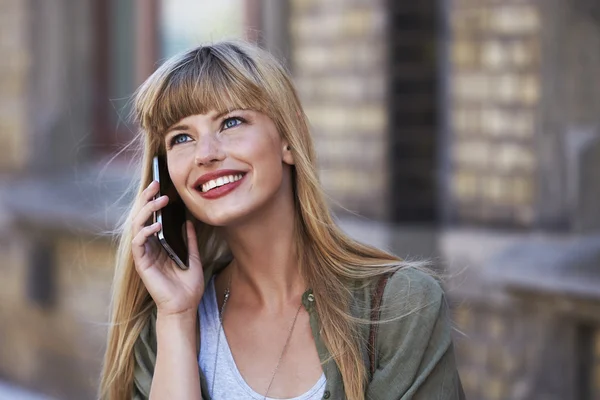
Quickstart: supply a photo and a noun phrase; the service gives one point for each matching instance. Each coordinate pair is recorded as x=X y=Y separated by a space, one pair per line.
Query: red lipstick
x=219 y=191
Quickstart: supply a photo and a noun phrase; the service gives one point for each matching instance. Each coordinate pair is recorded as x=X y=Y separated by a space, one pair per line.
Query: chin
x=237 y=214
x=226 y=216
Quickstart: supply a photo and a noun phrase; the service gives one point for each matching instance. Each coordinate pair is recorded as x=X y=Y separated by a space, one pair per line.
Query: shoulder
x=412 y=308
x=411 y=289
x=405 y=290
x=415 y=356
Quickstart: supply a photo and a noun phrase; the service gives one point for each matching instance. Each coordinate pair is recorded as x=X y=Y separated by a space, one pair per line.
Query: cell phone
x=171 y=217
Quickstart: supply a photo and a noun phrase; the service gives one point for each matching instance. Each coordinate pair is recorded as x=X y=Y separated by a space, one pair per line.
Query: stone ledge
x=86 y=200
x=506 y=267
x=563 y=275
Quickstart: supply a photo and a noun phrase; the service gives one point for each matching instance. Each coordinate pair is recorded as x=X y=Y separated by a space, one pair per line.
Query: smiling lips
x=213 y=183
x=219 y=183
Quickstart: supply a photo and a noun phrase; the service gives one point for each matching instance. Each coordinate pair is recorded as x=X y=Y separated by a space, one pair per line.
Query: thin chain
x=285 y=346
x=225 y=298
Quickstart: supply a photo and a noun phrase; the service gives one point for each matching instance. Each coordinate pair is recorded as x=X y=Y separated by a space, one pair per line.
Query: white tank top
x=229 y=383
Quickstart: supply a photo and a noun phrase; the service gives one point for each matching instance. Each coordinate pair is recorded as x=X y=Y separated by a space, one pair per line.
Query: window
x=41 y=286
x=125 y=53
x=187 y=23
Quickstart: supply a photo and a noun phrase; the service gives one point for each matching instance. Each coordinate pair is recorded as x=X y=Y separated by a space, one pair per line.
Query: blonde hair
x=233 y=75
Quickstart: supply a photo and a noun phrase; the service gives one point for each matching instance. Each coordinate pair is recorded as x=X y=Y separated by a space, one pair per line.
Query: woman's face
x=226 y=167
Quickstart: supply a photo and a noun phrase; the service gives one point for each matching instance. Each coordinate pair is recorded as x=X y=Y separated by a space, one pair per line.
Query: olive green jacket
x=415 y=356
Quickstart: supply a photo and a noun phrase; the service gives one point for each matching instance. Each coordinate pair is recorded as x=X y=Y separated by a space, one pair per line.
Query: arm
x=176 y=374
x=415 y=352
x=145 y=353
x=165 y=361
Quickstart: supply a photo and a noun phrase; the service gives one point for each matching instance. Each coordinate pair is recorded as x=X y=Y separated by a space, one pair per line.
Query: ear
x=287 y=155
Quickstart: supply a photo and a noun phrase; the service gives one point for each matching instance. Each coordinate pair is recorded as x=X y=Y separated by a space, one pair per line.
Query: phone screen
x=172 y=216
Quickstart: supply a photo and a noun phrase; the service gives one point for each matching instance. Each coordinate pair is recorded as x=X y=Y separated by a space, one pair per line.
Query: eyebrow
x=177 y=128
x=186 y=127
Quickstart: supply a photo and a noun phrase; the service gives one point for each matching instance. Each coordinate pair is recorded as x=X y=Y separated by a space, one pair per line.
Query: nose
x=208 y=151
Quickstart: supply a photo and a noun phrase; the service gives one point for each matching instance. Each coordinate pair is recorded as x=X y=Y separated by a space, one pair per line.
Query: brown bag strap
x=376 y=299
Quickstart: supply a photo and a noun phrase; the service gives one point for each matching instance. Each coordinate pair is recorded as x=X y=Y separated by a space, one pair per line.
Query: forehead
x=211 y=115
x=208 y=117
x=191 y=91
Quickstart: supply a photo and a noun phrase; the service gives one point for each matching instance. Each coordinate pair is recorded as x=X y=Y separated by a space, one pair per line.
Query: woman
x=276 y=302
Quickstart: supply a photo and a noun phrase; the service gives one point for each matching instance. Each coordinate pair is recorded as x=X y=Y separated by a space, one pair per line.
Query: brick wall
x=494 y=91
x=570 y=115
x=56 y=348
x=523 y=125
x=44 y=84
x=522 y=110
x=595 y=372
x=52 y=318
x=338 y=60
x=511 y=351
x=14 y=66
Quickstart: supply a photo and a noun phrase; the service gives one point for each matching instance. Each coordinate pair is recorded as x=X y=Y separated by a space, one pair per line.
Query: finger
x=146 y=195
x=145 y=213
x=139 y=241
x=193 y=252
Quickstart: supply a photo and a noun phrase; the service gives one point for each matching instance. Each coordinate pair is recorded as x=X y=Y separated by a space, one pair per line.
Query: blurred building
x=463 y=130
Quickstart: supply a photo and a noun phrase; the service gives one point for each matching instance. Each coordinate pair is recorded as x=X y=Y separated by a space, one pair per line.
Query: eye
x=178 y=139
x=232 y=122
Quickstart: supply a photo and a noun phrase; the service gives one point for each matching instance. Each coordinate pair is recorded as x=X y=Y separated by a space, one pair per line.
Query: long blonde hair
x=237 y=75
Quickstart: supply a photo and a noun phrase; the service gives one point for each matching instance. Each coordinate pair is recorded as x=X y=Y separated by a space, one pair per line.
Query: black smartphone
x=171 y=217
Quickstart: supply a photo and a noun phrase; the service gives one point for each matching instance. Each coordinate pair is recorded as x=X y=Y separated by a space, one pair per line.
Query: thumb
x=192 y=242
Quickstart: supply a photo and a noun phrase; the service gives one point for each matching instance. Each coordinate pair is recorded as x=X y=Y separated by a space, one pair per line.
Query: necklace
x=221 y=330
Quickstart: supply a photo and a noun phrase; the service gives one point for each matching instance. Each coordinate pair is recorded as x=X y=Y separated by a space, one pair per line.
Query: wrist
x=178 y=319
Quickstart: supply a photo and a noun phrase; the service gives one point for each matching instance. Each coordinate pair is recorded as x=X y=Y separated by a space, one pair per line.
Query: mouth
x=220 y=186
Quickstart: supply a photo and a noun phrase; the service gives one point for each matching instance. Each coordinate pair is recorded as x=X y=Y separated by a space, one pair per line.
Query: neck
x=265 y=269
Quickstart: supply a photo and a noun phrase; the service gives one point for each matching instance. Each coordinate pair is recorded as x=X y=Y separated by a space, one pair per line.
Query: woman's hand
x=175 y=291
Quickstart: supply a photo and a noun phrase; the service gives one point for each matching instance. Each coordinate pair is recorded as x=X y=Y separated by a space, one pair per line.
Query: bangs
x=197 y=84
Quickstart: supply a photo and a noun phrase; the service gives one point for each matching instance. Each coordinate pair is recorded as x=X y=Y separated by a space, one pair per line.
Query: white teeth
x=220 y=182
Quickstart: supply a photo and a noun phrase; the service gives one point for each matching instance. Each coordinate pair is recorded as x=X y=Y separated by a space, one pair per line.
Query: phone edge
x=158 y=218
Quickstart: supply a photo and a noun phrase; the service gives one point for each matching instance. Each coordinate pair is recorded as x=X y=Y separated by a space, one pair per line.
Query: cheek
x=269 y=173
x=260 y=145
x=263 y=155
x=177 y=172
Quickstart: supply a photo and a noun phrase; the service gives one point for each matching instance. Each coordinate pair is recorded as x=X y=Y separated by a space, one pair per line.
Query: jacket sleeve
x=144 y=352
x=415 y=355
